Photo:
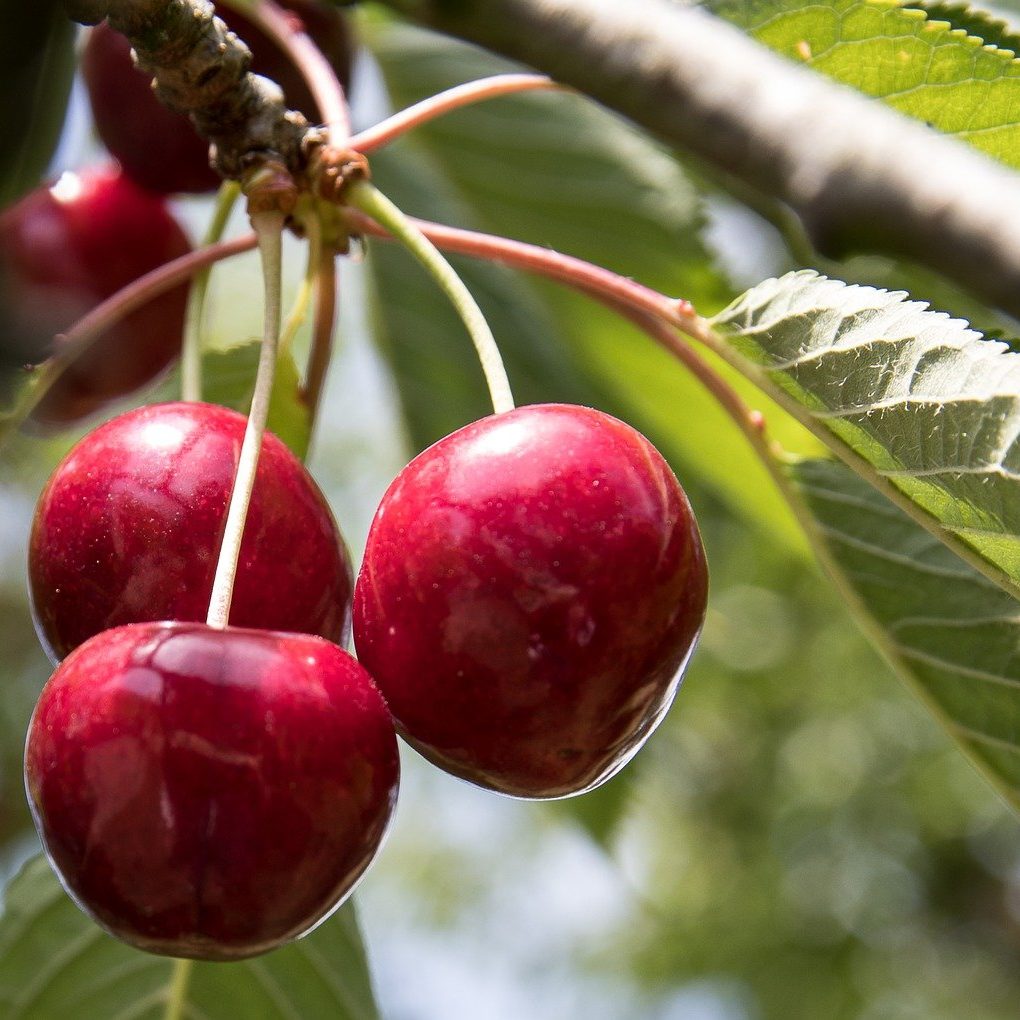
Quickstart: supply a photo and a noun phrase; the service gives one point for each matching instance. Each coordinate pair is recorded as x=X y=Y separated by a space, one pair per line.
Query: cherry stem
x=299 y=309
x=443 y=102
x=656 y=314
x=370 y=200
x=178 y=992
x=322 y=331
x=191 y=352
x=108 y=313
x=553 y=264
x=269 y=231
x=317 y=71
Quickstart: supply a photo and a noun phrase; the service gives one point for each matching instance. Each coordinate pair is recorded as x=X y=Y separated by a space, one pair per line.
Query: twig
x=316 y=70
x=201 y=69
x=860 y=176
x=444 y=102
x=322 y=332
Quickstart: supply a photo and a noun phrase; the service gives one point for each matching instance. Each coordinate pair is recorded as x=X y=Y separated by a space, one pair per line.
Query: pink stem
x=322 y=332
x=143 y=290
x=553 y=264
x=443 y=102
x=286 y=30
x=750 y=421
x=656 y=314
x=90 y=327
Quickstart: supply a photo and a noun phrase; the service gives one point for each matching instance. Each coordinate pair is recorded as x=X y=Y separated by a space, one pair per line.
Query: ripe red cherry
x=65 y=248
x=160 y=149
x=210 y=793
x=129 y=526
x=532 y=588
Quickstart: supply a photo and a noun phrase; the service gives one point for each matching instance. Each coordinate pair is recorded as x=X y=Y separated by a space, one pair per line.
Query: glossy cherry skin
x=160 y=149
x=210 y=793
x=128 y=529
x=532 y=588
x=65 y=248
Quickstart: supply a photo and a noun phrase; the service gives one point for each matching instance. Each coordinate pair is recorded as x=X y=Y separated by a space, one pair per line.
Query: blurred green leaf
x=929 y=406
x=55 y=962
x=949 y=632
x=36 y=68
x=928 y=67
x=228 y=378
x=580 y=180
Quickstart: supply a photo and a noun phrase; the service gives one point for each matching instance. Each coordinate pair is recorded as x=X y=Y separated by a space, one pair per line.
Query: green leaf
x=975 y=22
x=926 y=408
x=228 y=378
x=36 y=68
x=927 y=68
x=55 y=962
x=556 y=170
x=950 y=633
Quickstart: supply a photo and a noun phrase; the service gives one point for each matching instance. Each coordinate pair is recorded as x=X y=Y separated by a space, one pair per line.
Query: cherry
x=65 y=248
x=532 y=588
x=210 y=793
x=128 y=529
x=160 y=149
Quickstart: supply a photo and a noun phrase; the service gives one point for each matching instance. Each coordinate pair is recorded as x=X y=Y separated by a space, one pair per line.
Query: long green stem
x=191 y=353
x=322 y=332
x=177 y=997
x=371 y=201
x=269 y=230
x=299 y=309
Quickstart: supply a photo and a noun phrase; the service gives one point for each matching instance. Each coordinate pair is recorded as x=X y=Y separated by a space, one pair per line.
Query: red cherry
x=210 y=793
x=160 y=149
x=128 y=529
x=533 y=586
x=65 y=248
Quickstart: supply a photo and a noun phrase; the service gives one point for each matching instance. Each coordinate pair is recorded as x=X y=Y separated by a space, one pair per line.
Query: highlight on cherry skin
x=66 y=247
x=128 y=529
x=210 y=793
x=532 y=589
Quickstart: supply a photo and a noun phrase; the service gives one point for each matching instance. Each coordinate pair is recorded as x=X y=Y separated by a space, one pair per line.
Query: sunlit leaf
x=928 y=406
x=926 y=67
x=964 y=17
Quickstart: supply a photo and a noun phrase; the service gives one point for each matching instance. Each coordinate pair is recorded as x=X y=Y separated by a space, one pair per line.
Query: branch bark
x=860 y=176
x=200 y=68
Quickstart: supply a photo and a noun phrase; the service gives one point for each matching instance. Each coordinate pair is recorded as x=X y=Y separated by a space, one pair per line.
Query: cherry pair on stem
x=530 y=641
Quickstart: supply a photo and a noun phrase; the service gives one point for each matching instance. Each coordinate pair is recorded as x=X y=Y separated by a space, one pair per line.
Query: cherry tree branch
x=859 y=176
x=316 y=70
x=200 y=68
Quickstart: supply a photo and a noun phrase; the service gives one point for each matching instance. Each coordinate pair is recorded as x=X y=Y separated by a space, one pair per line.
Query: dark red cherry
x=65 y=248
x=129 y=527
x=210 y=793
x=533 y=586
x=160 y=149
